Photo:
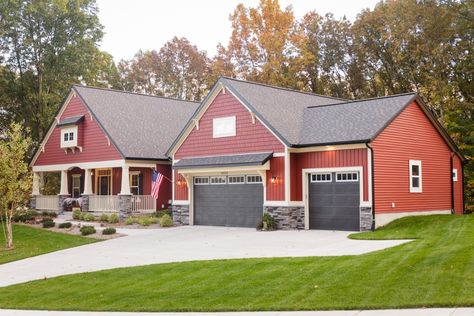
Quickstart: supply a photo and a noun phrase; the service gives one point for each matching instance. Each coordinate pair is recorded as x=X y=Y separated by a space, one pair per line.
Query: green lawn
x=31 y=242
x=437 y=269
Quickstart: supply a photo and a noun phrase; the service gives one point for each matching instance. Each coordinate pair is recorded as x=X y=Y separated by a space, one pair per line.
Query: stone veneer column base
x=85 y=203
x=61 y=206
x=33 y=202
x=287 y=217
x=125 y=204
x=366 y=219
x=180 y=214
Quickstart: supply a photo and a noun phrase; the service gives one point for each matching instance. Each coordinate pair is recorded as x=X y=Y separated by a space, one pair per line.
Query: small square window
x=223 y=127
x=71 y=136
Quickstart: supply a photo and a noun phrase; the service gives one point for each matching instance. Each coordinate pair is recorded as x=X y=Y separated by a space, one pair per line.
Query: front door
x=104 y=181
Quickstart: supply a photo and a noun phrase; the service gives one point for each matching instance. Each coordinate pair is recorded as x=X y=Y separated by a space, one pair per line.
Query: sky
x=131 y=25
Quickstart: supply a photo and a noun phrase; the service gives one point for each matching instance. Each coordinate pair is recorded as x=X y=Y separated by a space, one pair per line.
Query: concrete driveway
x=148 y=246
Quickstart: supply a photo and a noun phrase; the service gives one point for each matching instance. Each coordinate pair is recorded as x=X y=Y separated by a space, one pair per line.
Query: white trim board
x=95 y=165
x=382 y=219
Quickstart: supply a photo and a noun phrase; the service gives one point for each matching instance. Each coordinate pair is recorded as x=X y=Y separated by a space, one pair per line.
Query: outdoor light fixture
x=273 y=180
x=178 y=182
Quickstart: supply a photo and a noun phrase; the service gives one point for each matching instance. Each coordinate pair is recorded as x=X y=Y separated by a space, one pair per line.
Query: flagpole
x=165 y=177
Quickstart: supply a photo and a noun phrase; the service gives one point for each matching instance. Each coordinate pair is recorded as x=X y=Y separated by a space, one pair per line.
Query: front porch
x=97 y=187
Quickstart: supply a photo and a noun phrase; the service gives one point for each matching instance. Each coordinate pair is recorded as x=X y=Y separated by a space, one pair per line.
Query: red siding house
x=311 y=161
x=106 y=144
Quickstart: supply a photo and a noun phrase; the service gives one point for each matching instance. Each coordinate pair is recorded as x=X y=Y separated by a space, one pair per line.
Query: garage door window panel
x=321 y=177
x=218 y=180
x=254 y=179
x=236 y=179
x=201 y=180
x=347 y=177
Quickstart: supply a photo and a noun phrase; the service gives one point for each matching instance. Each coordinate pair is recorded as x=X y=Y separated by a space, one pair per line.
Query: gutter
x=372 y=182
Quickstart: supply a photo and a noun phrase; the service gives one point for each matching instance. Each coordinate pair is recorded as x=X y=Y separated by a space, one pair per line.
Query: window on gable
x=455 y=175
x=415 y=176
x=223 y=127
x=71 y=135
x=66 y=137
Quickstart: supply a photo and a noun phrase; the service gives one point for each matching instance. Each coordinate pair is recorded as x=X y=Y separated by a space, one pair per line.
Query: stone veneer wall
x=61 y=206
x=366 y=218
x=125 y=204
x=287 y=217
x=180 y=214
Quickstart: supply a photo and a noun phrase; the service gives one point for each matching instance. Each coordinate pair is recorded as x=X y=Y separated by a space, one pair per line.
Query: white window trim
x=236 y=176
x=352 y=180
x=68 y=130
x=218 y=183
x=196 y=183
x=134 y=173
x=321 y=181
x=420 y=176
x=224 y=120
x=455 y=174
x=253 y=175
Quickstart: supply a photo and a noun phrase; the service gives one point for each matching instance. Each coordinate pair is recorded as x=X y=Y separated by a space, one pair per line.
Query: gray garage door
x=334 y=201
x=235 y=201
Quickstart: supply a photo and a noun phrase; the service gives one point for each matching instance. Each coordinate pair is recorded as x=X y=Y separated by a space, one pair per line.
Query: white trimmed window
x=69 y=137
x=415 y=176
x=135 y=182
x=455 y=175
x=223 y=127
x=76 y=186
x=321 y=177
x=254 y=179
x=236 y=179
x=218 y=180
x=201 y=180
x=347 y=177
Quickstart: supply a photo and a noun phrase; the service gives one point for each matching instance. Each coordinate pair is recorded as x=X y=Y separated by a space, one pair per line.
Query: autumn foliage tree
x=15 y=177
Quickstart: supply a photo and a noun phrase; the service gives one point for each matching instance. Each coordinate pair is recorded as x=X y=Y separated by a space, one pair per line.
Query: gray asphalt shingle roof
x=71 y=120
x=282 y=108
x=353 y=121
x=141 y=126
x=224 y=161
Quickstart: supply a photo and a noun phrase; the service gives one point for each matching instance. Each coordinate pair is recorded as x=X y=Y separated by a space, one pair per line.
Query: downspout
x=452 y=182
x=372 y=183
x=462 y=187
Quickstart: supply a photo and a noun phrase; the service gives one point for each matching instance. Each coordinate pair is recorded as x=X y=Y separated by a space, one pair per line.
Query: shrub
x=32 y=213
x=166 y=221
x=88 y=217
x=76 y=214
x=104 y=217
x=109 y=231
x=144 y=221
x=268 y=222
x=87 y=230
x=113 y=219
x=49 y=214
x=47 y=222
x=65 y=225
x=159 y=214
x=130 y=221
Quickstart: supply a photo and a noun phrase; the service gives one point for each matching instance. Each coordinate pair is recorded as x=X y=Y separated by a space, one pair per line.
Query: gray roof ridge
x=363 y=100
x=133 y=93
x=283 y=88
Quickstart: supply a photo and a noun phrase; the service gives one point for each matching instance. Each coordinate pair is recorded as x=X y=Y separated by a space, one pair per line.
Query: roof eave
x=350 y=142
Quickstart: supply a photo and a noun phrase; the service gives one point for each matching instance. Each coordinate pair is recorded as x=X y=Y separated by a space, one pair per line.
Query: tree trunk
x=9 y=232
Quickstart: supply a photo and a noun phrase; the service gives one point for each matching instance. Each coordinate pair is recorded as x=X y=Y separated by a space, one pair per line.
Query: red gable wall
x=250 y=137
x=411 y=136
x=94 y=141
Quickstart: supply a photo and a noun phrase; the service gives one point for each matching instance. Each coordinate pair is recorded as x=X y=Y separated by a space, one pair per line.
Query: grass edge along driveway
x=30 y=242
x=435 y=270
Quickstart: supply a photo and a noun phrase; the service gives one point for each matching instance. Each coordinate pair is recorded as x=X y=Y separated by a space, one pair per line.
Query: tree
x=15 y=177
x=179 y=69
x=45 y=47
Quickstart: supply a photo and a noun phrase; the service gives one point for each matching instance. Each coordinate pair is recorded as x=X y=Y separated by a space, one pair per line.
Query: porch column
x=64 y=189
x=125 y=188
x=125 y=197
x=36 y=183
x=87 y=182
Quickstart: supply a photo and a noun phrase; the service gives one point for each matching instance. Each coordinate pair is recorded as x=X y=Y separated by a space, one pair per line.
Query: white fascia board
x=82 y=165
x=235 y=170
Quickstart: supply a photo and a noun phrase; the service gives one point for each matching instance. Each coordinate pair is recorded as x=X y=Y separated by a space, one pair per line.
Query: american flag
x=156 y=180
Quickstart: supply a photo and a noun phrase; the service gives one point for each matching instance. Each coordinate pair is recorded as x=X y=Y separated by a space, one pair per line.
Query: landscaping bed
x=434 y=270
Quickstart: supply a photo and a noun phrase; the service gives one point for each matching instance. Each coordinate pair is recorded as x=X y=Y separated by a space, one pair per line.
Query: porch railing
x=142 y=203
x=47 y=202
x=103 y=203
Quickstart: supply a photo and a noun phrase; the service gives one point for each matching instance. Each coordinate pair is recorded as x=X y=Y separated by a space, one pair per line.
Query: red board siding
x=181 y=190
x=276 y=191
x=164 y=196
x=411 y=136
x=92 y=137
x=457 y=185
x=325 y=159
x=250 y=137
x=116 y=180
